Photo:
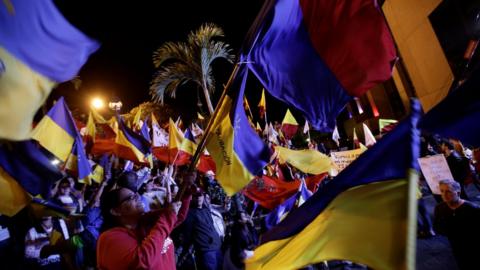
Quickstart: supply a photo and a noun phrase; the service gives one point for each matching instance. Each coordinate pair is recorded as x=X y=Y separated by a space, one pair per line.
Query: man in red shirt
x=139 y=240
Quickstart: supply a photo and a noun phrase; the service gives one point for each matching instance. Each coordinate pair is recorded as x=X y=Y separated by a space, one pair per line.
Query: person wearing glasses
x=135 y=239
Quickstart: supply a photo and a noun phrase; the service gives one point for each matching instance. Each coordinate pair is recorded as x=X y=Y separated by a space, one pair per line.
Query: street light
x=97 y=103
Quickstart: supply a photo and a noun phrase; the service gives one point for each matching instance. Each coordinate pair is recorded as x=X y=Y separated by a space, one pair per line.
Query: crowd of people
x=130 y=222
x=156 y=218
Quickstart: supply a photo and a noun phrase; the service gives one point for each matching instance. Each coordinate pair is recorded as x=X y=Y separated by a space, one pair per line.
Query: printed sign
x=435 y=168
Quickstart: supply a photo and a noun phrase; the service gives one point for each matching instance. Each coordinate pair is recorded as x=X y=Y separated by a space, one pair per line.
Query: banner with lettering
x=435 y=168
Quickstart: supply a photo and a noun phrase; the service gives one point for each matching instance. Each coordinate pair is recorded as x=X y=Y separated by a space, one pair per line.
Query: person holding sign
x=458 y=166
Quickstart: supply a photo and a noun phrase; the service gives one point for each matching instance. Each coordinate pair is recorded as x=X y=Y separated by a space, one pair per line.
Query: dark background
x=129 y=33
x=455 y=23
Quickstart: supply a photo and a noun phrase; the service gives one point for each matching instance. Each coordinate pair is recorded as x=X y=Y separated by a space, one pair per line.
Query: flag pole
x=202 y=143
x=412 y=178
x=248 y=106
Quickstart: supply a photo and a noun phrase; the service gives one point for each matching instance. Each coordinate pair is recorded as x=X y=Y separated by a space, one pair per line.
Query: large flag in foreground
x=25 y=171
x=316 y=55
x=365 y=203
x=458 y=115
x=38 y=48
x=238 y=152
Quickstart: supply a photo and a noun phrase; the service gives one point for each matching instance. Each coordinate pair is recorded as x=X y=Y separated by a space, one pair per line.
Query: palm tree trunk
x=207 y=98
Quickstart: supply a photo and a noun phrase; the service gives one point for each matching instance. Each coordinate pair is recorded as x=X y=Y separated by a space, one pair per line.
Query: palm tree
x=191 y=61
x=162 y=112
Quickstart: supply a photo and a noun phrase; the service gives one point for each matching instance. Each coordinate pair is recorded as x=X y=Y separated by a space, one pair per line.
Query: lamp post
x=115 y=105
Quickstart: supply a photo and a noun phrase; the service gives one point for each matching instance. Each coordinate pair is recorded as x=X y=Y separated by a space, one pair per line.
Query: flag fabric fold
x=270 y=192
x=160 y=136
x=197 y=132
x=137 y=120
x=289 y=125
x=98 y=173
x=457 y=116
x=238 y=152
x=315 y=55
x=57 y=132
x=365 y=203
x=281 y=211
x=306 y=127
x=130 y=145
x=369 y=138
x=356 y=141
x=262 y=105
x=336 y=136
x=145 y=131
x=78 y=163
x=206 y=164
x=188 y=144
x=180 y=148
x=89 y=133
x=306 y=160
x=38 y=48
x=25 y=171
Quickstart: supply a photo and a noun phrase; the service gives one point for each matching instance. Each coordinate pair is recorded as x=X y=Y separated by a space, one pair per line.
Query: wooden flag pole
x=202 y=143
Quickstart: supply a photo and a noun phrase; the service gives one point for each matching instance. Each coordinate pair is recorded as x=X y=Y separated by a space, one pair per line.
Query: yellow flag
x=175 y=137
x=98 y=118
x=90 y=128
x=137 y=119
x=262 y=105
x=289 y=119
x=306 y=160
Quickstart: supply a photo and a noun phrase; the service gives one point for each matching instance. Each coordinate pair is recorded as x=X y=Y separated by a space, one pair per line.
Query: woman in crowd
x=139 y=240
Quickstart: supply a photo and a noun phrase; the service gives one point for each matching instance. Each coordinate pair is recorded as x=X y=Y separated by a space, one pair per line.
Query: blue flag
x=25 y=170
x=369 y=202
x=316 y=55
x=238 y=152
x=458 y=115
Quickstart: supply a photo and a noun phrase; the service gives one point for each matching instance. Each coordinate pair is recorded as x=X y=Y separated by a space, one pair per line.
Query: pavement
x=434 y=253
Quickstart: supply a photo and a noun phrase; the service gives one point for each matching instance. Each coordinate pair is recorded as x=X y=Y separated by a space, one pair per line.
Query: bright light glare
x=55 y=162
x=97 y=103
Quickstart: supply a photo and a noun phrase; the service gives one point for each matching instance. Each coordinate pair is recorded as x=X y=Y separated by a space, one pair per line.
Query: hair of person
x=108 y=201
x=448 y=144
x=128 y=180
x=451 y=183
x=66 y=180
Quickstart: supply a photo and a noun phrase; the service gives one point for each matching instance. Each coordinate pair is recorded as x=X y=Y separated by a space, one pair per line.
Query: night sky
x=131 y=31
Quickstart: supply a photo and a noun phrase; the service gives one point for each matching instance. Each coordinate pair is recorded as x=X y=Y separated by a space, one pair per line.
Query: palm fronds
x=181 y=62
